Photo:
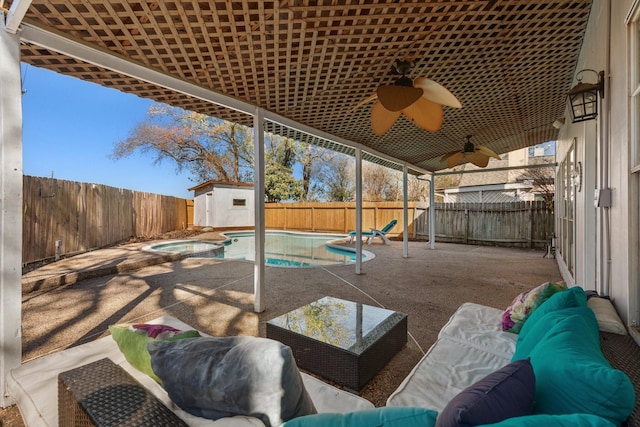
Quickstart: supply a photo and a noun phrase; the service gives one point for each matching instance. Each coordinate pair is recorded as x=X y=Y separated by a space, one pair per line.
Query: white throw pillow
x=608 y=319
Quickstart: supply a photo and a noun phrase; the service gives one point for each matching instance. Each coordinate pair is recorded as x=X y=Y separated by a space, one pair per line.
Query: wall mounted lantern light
x=583 y=97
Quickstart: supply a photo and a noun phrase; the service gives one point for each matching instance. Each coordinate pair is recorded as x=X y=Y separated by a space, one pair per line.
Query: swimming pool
x=282 y=249
x=190 y=248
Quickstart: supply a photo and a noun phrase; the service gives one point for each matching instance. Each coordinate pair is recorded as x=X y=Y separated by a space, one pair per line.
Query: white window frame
x=565 y=214
x=633 y=25
x=633 y=63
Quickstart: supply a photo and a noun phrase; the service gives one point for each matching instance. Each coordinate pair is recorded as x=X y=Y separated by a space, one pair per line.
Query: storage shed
x=222 y=204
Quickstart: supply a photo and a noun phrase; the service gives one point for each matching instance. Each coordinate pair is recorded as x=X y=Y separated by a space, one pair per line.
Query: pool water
x=282 y=249
x=286 y=249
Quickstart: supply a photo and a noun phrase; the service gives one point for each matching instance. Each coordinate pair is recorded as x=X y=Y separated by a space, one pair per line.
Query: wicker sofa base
x=103 y=394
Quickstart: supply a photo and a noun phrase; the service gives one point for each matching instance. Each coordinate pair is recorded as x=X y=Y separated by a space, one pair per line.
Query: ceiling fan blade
x=449 y=154
x=424 y=113
x=364 y=101
x=487 y=151
x=382 y=119
x=478 y=159
x=397 y=98
x=437 y=93
x=455 y=159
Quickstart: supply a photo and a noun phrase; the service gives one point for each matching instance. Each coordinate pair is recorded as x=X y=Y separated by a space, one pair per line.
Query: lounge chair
x=373 y=233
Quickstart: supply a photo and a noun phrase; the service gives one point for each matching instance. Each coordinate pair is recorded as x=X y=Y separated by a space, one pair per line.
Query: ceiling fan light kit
x=477 y=154
x=397 y=98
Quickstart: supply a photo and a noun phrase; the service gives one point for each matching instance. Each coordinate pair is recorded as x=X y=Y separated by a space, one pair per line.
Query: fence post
x=346 y=215
x=466 y=226
x=530 y=217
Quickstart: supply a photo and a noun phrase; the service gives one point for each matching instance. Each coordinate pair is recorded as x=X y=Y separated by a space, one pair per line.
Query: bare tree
x=339 y=182
x=543 y=182
x=417 y=190
x=316 y=162
x=379 y=183
x=209 y=148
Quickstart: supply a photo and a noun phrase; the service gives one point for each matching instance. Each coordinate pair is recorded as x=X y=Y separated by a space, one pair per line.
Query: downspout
x=432 y=212
x=605 y=138
x=405 y=213
x=358 y=211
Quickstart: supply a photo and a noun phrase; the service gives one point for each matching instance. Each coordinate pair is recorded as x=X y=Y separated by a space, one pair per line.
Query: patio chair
x=373 y=233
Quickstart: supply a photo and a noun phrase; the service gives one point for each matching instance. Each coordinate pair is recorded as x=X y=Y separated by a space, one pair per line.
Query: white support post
x=358 y=210
x=258 y=146
x=405 y=212
x=432 y=212
x=10 y=209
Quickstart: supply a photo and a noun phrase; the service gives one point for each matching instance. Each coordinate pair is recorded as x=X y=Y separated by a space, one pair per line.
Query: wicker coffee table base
x=103 y=394
x=348 y=369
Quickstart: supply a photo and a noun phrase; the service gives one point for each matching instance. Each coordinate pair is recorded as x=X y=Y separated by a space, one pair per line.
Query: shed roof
x=213 y=183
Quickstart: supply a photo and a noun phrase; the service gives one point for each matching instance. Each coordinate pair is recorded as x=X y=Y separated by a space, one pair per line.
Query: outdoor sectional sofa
x=553 y=370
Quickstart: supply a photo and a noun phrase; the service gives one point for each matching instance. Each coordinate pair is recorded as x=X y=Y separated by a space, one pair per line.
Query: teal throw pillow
x=390 y=416
x=218 y=377
x=572 y=374
x=570 y=420
x=505 y=393
x=132 y=340
x=572 y=297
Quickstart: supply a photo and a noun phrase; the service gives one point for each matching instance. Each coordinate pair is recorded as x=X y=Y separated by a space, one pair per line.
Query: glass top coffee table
x=343 y=341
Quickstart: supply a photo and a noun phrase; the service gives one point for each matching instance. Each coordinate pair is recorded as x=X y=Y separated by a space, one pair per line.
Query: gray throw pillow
x=216 y=377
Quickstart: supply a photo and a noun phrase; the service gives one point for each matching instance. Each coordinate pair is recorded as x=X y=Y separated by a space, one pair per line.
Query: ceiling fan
x=476 y=154
x=420 y=100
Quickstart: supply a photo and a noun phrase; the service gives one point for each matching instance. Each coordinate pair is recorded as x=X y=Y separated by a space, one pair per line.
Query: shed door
x=209 y=210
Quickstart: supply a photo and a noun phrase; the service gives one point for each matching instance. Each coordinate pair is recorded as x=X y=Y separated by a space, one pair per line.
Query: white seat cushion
x=34 y=385
x=469 y=347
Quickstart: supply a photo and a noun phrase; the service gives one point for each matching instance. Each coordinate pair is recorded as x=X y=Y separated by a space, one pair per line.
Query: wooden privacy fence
x=518 y=224
x=336 y=217
x=65 y=217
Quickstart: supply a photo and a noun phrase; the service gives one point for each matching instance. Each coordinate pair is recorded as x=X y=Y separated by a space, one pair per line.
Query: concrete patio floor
x=216 y=296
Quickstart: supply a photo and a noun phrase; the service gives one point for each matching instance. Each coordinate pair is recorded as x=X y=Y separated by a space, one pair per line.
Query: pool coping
x=92 y=264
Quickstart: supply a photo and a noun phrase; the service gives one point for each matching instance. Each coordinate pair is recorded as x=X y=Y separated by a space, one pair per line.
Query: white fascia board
x=15 y=15
x=284 y=121
x=488 y=187
x=57 y=42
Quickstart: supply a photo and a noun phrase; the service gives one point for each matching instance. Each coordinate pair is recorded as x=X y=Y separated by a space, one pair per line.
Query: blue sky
x=70 y=127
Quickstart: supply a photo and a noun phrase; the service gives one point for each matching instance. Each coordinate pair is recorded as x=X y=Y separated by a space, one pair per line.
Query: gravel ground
x=217 y=297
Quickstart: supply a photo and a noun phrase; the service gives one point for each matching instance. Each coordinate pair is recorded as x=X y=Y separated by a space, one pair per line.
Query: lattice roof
x=509 y=62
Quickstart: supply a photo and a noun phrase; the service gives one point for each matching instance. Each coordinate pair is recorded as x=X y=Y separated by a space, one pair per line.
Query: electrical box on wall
x=602 y=198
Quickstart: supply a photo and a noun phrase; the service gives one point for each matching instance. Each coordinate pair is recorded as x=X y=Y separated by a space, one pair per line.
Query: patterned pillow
x=524 y=304
x=132 y=341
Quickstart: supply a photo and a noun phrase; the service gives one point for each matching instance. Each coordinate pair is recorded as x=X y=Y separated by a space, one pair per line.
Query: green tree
x=280 y=184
